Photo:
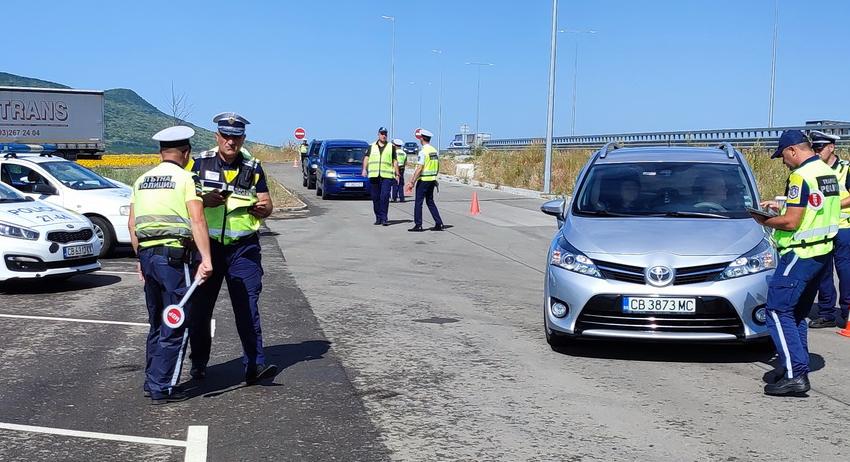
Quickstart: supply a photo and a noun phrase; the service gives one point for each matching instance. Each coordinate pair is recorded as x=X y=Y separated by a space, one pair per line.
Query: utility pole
x=440 y=101
x=773 y=62
x=550 y=112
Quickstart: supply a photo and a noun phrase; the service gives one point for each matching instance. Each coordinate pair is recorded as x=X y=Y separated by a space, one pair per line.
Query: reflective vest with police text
x=822 y=213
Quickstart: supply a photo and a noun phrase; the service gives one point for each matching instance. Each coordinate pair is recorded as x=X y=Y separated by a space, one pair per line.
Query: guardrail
x=740 y=137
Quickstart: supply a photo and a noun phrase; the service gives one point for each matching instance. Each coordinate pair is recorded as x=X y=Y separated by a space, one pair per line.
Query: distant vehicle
x=39 y=240
x=72 y=120
x=308 y=168
x=411 y=148
x=656 y=244
x=340 y=168
x=71 y=186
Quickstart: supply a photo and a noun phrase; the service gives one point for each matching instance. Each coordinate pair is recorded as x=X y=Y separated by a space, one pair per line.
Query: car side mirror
x=42 y=188
x=555 y=208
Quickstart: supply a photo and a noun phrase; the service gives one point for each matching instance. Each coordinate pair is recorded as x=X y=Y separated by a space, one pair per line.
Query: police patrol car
x=38 y=239
x=34 y=172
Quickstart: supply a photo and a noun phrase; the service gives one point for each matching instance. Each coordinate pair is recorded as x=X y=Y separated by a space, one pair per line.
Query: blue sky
x=324 y=65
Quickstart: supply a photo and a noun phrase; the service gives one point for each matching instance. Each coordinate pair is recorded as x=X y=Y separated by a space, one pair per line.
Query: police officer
x=425 y=179
x=397 y=192
x=803 y=232
x=381 y=166
x=236 y=199
x=166 y=216
x=824 y=145
x=303 y=150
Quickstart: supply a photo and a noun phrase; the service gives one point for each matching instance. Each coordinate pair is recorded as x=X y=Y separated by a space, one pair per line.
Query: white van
x=70 y=185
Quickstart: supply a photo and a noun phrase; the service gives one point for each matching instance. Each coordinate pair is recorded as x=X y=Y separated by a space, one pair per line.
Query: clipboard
x=761 y=213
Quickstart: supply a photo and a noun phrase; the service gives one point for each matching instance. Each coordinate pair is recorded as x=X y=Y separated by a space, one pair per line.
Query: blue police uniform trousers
x=397 y=192
x=240 y=265
x=381 y=197
x=791 y=292
x=425 y=192
x=165 y=284
x=839 y=261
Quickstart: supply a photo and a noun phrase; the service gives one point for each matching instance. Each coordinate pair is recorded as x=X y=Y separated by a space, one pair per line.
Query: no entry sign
x=418 y=133
x=300 y=133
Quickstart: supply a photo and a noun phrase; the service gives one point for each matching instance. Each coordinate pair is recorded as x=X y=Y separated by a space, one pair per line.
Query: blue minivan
x=340 y=167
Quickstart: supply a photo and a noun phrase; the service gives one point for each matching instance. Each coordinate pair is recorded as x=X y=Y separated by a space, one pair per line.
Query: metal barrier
x=740 y=137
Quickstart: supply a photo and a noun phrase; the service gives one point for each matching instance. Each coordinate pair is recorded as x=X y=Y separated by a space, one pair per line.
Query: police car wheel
x=104 y=233
x=555 y=341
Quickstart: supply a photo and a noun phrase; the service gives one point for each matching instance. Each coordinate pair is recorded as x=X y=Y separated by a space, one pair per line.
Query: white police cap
x=230 y=123
x=424 y=132
x=174 y=136
x=818 y=137
x=397 y=142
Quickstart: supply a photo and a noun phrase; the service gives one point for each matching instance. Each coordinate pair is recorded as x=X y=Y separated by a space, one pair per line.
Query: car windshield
x=671 y=189
x=346 y=155
x=410 y=145
x=8 y=194
x=75 y=176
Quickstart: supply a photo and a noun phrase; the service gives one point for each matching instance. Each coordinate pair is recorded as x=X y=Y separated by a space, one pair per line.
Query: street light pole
x=478 y=100
x=420 y=102
x=440 y=102
x=773 y=63
x=575 y=75
x=392 y=75
x=550 y=111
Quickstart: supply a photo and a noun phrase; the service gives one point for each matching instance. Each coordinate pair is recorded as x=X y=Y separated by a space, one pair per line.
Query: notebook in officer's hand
x=761 y=213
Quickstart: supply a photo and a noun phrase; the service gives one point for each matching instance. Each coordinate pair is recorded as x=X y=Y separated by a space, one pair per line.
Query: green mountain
x=130 y=120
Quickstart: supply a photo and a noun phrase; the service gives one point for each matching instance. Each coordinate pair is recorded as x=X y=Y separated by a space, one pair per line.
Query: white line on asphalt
x=96 y=435
x=196 y=443
x=90 y=321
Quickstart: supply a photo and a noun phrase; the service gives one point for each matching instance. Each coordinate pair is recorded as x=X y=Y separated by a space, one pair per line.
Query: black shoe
x=175 y=397
x=259 y=373
x=147 y=393
x=386 y=223
x=439 y=227
x=796 y=386
x=402 y=201
x=377 y=222
x=416 y=229
x=821 y=323
x=198 y=372
x=393 y=200
x=775 y=375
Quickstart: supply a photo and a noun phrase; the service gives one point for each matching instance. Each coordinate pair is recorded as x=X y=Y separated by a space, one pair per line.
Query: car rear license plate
x=659 y=305
x=354 y=184
x=76 y=251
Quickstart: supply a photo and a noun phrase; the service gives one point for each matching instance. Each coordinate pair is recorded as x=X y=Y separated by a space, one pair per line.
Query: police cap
x=820 y=138
x=397 y=142
x=174 y=137
x=789 y=138
x=424 y=132
x=383 y=130
x=231 y=123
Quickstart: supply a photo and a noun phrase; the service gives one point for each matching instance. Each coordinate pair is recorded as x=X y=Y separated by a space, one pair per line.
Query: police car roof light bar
x=21 y=148
x=603 y=153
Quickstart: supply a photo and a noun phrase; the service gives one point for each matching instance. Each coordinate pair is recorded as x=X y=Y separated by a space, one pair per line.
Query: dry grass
x=524 y=169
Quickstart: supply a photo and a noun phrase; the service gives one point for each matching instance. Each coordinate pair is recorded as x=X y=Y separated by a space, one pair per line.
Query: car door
x=32 y=181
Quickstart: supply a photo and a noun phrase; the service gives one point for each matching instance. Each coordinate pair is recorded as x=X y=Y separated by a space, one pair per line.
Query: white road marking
x=196 y=444
x=90 y=321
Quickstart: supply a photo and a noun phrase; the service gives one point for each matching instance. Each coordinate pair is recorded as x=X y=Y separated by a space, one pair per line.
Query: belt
x=172 y=253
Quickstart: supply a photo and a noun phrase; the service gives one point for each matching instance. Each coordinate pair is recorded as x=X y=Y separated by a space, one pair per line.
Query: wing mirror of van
x=42 y=188
x=555 y=208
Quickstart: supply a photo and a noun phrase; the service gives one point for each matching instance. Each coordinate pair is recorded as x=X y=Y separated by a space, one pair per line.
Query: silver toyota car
x=656 y=244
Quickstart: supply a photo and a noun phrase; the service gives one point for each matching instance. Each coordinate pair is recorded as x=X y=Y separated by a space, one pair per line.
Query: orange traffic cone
x=846 y=331
x=473 y=208
x=295 y=163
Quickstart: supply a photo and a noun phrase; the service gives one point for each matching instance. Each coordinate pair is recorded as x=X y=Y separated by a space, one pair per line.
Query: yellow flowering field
x=121 y=161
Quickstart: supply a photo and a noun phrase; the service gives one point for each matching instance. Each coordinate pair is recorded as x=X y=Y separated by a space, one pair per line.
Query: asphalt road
x=397 y=346
x=441 y=334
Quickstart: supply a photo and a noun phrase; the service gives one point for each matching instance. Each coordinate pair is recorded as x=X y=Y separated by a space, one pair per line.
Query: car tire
x=555 y=341
x=318 y=189
x=311 y=182
x=304 y=182
x=324 y=193
x=103 y=230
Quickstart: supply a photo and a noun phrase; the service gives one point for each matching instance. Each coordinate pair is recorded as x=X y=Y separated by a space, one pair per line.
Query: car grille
x=713 y=315
x=635 y=274
x=64 y=237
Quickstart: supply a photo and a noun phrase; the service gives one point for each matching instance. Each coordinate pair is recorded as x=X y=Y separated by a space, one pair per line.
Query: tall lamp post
x=420 y=101
x=773 y=62
x=477 y=136
x=550 y=110
x=575 y=73
x=392 y=75
x=439 y=101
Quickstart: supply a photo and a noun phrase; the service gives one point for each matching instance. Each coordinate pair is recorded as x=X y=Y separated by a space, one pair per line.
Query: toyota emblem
x=659 y=276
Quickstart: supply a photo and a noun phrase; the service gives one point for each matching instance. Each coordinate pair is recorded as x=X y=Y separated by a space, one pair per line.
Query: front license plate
x=354 y=184
x=75 y=251
x=659 y=305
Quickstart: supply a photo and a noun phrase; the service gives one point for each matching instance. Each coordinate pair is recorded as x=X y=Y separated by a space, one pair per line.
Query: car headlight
x=569 y=258
x=761 y=258
x=124 y=210
x=17 y=232
x=330 y=173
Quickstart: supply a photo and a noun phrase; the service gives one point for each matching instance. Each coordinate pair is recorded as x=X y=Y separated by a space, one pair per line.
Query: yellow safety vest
x=381 y=161
x=841 y=168
x=820 y=220
x=401 y=157
x=231 y=221
x=432 y=163
x=159 y=205
x=303 y=149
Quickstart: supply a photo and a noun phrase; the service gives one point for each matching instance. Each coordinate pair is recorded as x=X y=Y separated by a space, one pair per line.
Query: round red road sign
x=173 y=316
x=300 y=133
x=418 y=133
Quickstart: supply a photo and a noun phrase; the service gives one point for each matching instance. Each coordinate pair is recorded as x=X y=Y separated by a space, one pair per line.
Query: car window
x=314 y=149
x=665 y=188
x=20 y=177
x=75 y=176
x=8 y=194
x=345 y=155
